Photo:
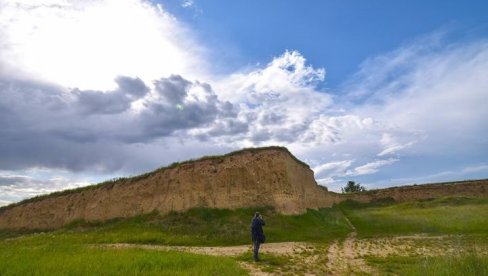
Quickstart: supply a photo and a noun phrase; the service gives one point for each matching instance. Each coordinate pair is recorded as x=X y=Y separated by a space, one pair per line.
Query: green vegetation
x=76 y=250
x=126 y=180
x=457 y=225
x=353 y=187
x=58 y=257
x=470 y=263
x=209 y=227
x=269 y=262
x=439 y=216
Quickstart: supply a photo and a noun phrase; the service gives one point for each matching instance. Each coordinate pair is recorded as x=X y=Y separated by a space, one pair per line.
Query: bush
x=352 y=187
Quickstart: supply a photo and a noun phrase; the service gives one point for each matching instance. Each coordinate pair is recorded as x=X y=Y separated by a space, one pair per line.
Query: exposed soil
x=342 y=257
x=281 y=248
x=265 y=177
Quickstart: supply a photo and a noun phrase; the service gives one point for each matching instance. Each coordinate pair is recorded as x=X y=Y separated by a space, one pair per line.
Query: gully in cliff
x=257 y=233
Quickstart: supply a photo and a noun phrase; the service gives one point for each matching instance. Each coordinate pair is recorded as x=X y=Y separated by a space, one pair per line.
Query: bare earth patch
x=281 y=248
x=346 y=257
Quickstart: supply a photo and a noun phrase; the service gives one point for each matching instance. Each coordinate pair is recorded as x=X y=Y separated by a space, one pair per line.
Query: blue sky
x=380 y=92
x=337 y=35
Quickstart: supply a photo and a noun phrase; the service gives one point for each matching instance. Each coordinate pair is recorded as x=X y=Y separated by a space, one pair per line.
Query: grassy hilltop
x=76 y=249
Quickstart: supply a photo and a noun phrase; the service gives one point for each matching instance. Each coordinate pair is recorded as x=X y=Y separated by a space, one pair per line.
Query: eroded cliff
x=248 y=178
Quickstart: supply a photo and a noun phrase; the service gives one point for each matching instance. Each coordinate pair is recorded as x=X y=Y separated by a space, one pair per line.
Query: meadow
x=448 y=236
x=73 y=250
x=454 y=215
x=421 y=231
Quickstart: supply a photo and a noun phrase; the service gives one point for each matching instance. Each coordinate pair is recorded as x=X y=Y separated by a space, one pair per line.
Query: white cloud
x=391 y=146
x=371 y=167
x=4 y=202
x=87 y=44
x=187 y=4
x=17 y=187
x=437 y=91
x=338 y=167
x=475 y=169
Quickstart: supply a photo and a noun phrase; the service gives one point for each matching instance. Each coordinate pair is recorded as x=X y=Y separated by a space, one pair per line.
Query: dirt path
x=343 y=258
x=282 y=248
x=290 y=249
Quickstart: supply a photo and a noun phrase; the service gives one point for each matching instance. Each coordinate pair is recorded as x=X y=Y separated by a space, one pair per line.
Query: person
x=257 y=233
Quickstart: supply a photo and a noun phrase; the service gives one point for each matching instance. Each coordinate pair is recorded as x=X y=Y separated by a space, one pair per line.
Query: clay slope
x=254 y=177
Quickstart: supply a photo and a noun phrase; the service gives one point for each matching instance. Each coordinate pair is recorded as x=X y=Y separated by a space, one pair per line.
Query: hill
x=250 y=178
x=269 y=176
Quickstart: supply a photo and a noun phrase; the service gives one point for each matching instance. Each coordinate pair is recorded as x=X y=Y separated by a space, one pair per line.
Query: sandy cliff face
x=270 y=177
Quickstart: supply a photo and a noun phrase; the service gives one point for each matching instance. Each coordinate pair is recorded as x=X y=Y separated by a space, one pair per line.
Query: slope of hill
x=249 y=178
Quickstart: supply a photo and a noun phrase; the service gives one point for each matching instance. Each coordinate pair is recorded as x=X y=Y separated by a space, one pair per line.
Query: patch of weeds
x=268 y=262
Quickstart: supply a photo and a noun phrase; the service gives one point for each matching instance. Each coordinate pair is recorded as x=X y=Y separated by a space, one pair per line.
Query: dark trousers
x=256 y=250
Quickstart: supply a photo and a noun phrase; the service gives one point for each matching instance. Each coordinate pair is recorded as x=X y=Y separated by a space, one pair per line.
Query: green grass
x=466 y=264
x=19 y=257
x=264 y=259
x=439 y=216
x=75 y=249
x=205 y=227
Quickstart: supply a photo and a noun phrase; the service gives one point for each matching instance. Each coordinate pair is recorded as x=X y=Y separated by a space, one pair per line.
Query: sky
x=384 y=93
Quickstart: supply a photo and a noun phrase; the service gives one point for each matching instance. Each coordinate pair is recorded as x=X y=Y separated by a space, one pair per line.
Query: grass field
x=462 y=222
x=59 y=258
x=73 y=250
x=466 y=264
x=76 y=250
x=457 y=215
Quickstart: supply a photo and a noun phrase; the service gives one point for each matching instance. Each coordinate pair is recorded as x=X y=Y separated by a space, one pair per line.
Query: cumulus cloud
x=277 y=101
x=40 y=121
x=97 y=102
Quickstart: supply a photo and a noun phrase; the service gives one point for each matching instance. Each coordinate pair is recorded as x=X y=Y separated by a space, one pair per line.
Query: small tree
x=352 y=187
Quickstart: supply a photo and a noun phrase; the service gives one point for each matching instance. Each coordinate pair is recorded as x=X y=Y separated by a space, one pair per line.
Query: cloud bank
x=81 y=90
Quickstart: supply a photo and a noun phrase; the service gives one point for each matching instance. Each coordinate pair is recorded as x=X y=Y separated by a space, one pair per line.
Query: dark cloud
x=173 y=90
x=47 y=126
x=181 y=105
x=97 y=102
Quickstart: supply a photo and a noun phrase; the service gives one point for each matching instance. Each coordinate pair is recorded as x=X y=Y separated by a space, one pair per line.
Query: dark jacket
x=257 y=229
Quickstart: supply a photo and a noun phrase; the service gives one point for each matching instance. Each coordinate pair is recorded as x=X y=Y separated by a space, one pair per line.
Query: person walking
x=257 y=234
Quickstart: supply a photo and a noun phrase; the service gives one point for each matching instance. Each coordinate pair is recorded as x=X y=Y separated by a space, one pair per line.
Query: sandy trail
x=281 y=248
x=343 y=259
